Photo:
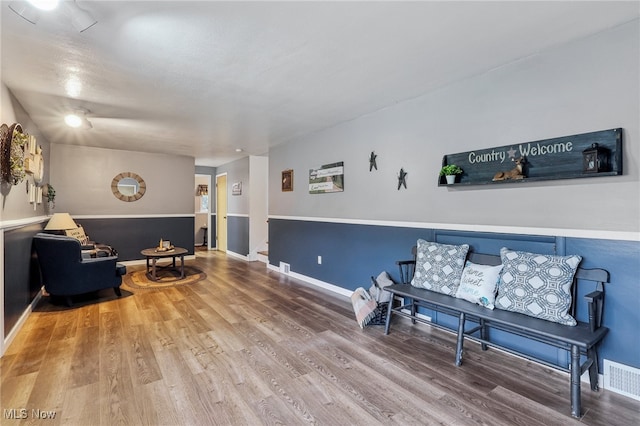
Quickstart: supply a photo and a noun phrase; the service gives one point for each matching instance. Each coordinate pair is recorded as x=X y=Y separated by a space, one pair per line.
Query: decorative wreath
x=12 y=153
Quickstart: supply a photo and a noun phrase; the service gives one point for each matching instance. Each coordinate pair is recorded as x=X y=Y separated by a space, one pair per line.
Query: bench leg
x=413 y=311
x=593 y=369
x=575 y=381
x=460 y=339
x=388 y=321
x=483 y=334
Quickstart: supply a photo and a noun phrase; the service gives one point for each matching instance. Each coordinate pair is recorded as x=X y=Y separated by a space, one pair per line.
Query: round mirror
x=128 y=186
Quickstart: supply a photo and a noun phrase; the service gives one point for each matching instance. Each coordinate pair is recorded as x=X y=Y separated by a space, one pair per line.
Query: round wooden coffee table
x=152 y=255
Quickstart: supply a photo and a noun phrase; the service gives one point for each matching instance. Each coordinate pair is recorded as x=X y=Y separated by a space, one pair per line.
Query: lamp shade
x=60 y=222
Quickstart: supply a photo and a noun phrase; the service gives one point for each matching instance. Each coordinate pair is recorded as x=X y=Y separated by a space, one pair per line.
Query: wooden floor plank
x=249 y=346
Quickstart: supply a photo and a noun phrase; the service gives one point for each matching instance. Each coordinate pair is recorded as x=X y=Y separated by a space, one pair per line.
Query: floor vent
x=622 y=379
x=284 y=267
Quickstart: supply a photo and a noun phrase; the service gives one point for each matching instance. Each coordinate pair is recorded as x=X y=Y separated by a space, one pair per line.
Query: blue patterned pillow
x=439 y=266
x=538 y=285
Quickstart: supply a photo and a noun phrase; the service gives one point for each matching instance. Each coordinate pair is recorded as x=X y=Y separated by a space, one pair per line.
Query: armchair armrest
x=595 y=301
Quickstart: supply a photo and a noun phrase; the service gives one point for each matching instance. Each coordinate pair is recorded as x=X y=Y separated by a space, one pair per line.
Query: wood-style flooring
x=251 y=346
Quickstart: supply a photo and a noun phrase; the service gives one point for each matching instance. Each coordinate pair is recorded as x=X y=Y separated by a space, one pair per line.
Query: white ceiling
x=204 y=78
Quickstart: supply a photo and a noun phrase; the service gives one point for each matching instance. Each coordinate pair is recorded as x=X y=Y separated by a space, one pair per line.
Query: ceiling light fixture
x=25 y=10
x=44 y=4
x=28 y=10
x=80 y=18
x=78 y=118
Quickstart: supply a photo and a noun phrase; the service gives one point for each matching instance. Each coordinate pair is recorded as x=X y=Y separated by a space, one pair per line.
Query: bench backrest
x=597 y=276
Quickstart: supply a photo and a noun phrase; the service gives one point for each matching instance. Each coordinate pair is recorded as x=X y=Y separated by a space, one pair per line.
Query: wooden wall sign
x=557 y=158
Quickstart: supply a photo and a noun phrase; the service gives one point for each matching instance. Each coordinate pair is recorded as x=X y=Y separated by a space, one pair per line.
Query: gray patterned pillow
x=538 y=285
x=439 y=266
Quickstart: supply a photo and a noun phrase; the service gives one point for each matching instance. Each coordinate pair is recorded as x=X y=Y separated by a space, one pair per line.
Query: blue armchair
x=65 y=273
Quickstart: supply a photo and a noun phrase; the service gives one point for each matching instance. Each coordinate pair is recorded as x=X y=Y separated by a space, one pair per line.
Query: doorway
x=221 y=212
x=202 y=208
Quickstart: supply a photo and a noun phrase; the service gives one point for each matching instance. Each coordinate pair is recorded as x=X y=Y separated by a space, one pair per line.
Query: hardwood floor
x=250 y=346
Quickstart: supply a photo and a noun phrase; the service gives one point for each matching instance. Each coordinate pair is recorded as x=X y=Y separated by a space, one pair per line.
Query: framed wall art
x=287 y=180
x=328 y=178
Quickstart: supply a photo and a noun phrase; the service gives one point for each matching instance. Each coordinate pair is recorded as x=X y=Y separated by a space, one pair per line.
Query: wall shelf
x=549 y=159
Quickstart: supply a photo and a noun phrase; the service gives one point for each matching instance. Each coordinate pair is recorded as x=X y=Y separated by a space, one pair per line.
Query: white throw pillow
x=478 y=284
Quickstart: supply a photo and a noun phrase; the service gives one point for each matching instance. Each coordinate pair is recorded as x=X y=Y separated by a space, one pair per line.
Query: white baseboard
x=239 y=256
x=324 y=285
x=16 y=328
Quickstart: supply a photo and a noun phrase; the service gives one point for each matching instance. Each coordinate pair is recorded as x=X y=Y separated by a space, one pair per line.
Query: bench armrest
x=595 y=300
x=593 y=296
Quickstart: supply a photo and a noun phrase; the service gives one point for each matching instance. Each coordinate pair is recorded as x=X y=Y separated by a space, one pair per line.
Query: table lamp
x=60 y=222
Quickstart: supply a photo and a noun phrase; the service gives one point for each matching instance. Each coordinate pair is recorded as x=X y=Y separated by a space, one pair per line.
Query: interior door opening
x=202 y=209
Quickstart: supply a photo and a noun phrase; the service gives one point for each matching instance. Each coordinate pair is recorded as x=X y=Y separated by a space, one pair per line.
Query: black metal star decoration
x=372 y=161
x=402 y=179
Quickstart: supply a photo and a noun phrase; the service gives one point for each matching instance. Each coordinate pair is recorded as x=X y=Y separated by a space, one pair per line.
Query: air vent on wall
x=622 y=379
x=284 y=268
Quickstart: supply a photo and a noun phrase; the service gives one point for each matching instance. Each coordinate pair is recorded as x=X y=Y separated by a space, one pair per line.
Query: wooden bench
x=581 y=339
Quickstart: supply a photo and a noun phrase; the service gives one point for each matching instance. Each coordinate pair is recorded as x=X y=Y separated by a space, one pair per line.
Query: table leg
x=147 y=264
x=181 y=266
x=153 y=270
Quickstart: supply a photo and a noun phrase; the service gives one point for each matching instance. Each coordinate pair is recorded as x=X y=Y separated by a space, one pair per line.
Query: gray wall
x=15 y=200
x=237 y=171
x=82 y=177
x=586 y=85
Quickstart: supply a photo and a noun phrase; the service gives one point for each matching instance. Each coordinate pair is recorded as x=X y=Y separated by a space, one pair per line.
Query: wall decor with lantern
x=593 y=154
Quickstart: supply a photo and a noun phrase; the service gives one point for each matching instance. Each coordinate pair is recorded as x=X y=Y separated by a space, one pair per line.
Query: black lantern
x=595 y=159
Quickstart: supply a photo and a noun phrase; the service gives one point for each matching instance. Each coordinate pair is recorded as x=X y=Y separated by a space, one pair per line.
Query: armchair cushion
x=79 y=235
x=97 y=249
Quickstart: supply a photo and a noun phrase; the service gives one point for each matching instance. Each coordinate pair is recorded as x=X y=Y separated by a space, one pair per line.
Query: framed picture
x=328 y=178
x=236 y=188
x=166 y=244
x=287 y=180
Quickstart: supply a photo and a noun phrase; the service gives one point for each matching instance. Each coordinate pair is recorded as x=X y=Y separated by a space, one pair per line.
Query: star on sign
x=512 y=153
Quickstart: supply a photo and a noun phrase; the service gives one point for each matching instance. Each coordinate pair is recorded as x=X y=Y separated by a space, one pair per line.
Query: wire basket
x=380 y=317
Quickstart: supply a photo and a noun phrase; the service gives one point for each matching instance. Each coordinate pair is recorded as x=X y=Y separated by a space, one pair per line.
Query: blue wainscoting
x=21 y=273
x=131 y=235
x=238 y=234
x=351 y=253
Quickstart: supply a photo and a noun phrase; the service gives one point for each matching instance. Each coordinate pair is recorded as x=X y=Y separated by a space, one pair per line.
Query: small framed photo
x=236 y=188
x=166 y=244
x=287 y=180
